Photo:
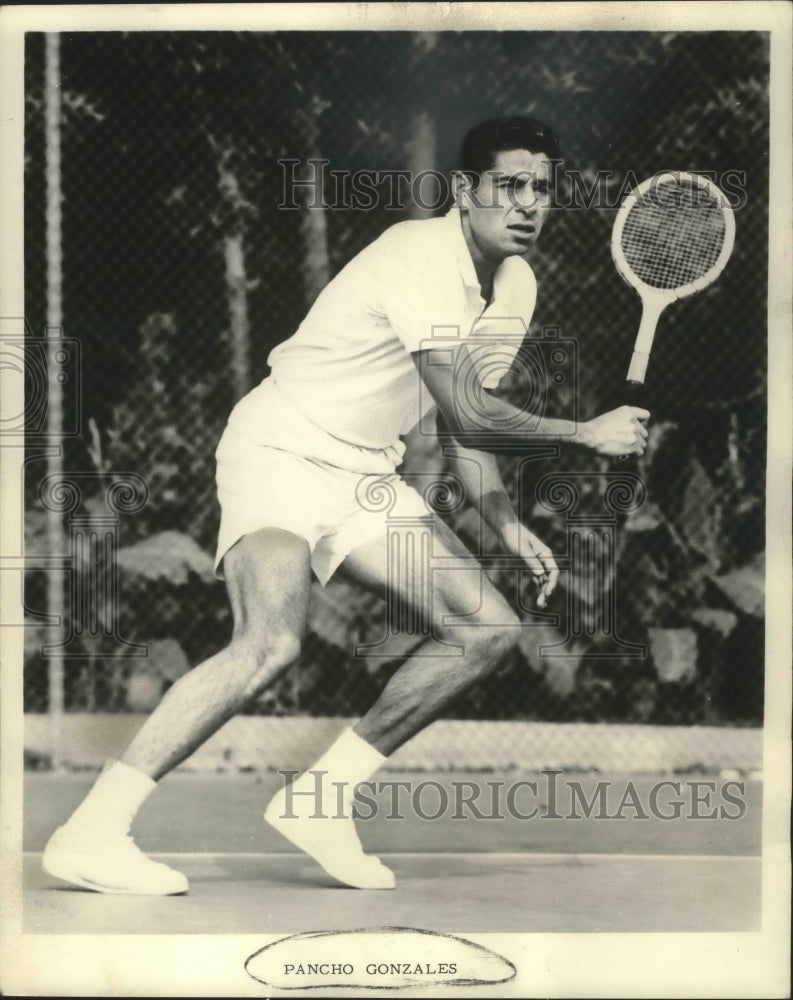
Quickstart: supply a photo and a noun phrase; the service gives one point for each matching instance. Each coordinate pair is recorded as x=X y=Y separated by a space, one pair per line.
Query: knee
x=497 y=638
x=486 y=640
x=262 y=658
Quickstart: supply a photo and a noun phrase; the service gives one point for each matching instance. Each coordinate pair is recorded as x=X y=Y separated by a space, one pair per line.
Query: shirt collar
x=463 y=254
x=502 y=294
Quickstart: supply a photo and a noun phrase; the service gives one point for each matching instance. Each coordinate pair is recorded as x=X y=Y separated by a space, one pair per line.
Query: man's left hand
x=517 y=539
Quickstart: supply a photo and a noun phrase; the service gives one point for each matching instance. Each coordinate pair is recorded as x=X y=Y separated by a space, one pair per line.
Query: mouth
x=522 y=231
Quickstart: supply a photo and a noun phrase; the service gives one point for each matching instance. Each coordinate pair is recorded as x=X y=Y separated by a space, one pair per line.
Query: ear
x=462 y=187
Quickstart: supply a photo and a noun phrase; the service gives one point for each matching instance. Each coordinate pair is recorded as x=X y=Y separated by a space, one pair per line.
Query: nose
x=527 y=200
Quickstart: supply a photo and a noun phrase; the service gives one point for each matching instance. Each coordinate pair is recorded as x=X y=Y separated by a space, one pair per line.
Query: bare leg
x=415 y=696
x=427 y=683
x=267 y=575
x=423 y=688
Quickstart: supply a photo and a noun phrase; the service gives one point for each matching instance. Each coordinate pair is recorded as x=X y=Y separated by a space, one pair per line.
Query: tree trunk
x=422 y=134
x=316 y=259
x=422 y=148
x=239 y=327
x=313 y=222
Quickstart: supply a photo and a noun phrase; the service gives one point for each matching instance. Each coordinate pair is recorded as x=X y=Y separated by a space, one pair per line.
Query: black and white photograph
x=396 y=499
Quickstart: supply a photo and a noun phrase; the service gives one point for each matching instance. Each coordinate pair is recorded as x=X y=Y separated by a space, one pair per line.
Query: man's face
x=507 y=209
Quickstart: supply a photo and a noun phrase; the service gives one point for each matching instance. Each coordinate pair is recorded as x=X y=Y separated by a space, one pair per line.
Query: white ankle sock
x=119 y=792
x=346 y=763
x=307 y=813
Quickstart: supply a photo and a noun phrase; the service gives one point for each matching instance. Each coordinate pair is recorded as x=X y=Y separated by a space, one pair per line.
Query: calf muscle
x=267 y=577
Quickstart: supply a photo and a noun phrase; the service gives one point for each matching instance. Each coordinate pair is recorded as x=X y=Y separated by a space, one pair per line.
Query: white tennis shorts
x=278 y=469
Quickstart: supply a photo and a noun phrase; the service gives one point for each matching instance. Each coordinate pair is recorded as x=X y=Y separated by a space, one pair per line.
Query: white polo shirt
x=348 y=367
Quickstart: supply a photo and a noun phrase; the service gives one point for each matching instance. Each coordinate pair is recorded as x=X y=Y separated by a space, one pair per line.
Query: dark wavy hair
x=497 y=135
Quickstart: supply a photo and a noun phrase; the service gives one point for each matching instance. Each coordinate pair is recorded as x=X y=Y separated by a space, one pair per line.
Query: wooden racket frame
x=655 y=300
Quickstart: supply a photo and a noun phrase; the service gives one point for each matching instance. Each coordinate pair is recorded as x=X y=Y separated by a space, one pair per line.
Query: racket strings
x=673 y=235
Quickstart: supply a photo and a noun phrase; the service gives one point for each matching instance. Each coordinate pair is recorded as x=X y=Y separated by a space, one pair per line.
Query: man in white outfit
x=294 y=463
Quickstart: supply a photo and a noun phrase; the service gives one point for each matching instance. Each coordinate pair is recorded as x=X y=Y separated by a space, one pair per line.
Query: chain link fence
x=182 y=270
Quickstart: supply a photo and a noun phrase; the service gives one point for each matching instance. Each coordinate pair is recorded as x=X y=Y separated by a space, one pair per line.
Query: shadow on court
x=464 y=875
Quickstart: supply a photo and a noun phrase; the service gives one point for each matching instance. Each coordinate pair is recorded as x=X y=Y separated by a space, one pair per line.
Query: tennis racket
x=672 y=236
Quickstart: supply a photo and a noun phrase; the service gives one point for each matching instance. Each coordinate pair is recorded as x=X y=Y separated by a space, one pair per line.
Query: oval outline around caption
x=476 y=964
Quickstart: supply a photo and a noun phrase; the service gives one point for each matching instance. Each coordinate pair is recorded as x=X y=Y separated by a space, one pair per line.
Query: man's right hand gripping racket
x=672 y=236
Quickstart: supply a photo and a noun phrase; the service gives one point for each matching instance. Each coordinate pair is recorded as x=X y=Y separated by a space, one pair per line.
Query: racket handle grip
x=632 y=396
x=634 y=390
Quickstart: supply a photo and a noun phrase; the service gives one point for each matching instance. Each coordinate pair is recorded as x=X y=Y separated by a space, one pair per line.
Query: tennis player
x=294 y=462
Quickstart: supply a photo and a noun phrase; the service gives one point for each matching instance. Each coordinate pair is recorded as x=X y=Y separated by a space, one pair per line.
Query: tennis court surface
x=470 y=874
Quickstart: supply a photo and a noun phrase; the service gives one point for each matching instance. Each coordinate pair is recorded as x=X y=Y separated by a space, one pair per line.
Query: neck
x=485 y=267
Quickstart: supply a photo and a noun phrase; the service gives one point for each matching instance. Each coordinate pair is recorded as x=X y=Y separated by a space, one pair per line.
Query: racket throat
x=651 y=311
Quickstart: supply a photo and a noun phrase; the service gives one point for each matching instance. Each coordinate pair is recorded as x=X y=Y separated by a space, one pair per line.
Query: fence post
x=55 y=584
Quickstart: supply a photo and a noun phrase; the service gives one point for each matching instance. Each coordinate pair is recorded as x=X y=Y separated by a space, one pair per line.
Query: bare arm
x=484 y=489
x=484 y=422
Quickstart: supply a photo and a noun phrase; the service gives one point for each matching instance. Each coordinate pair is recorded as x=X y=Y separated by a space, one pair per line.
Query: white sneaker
x=332 y=842
x=114 y=865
